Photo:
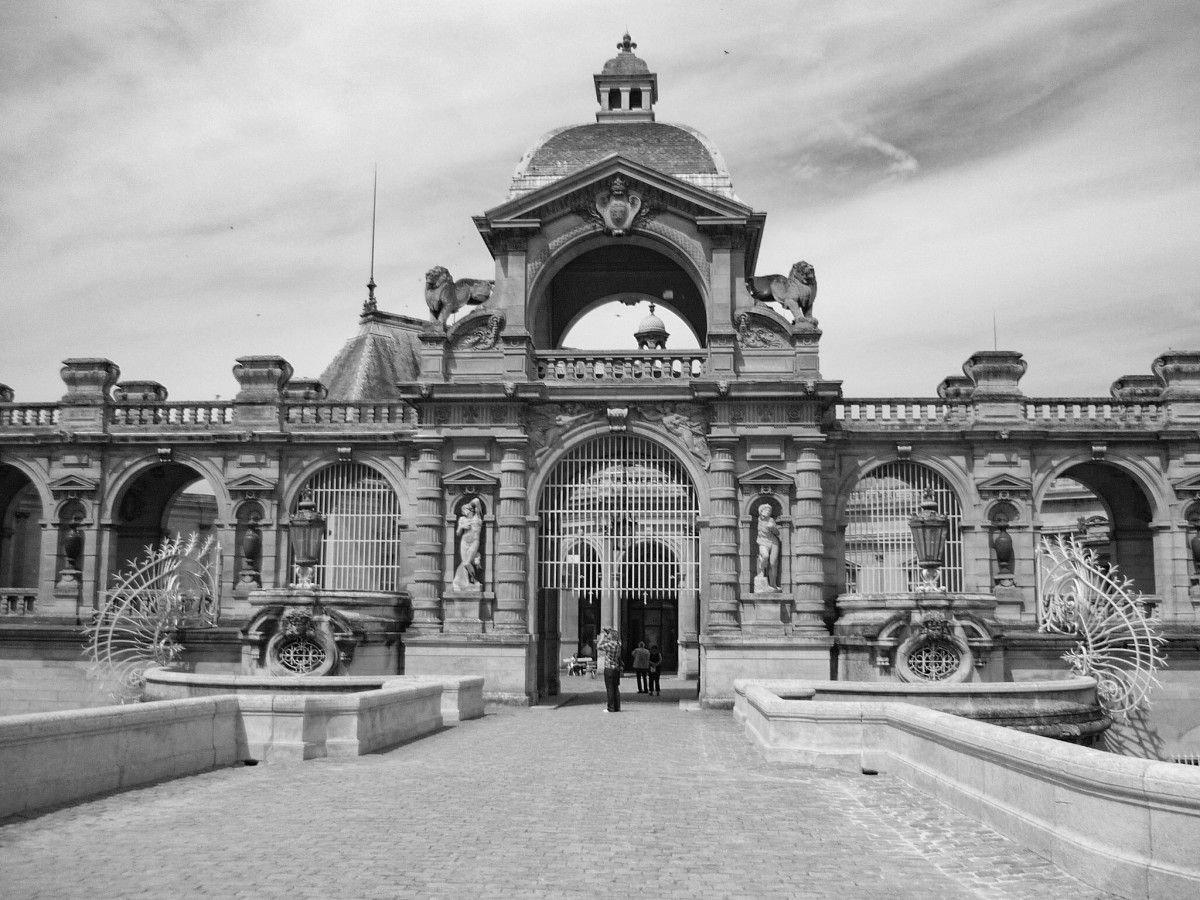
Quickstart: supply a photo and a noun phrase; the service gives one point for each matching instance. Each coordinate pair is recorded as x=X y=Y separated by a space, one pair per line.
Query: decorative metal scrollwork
x=1119 y=645
x=934 y=660
x=137 y=626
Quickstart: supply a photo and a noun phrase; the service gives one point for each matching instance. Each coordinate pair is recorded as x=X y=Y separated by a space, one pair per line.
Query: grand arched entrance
x=618 y=544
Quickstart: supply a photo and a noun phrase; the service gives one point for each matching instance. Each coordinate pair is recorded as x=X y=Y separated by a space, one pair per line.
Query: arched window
x=879 y=545
x=614 y=99
x=635 y=98
x=361 y=550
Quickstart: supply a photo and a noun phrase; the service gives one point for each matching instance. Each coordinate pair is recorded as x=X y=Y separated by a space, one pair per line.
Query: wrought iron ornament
x=1119 y=645
x=137 y=626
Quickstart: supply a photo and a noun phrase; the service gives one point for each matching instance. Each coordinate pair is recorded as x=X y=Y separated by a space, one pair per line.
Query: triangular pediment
x=764 y=477
x=558 y=197
x=1188 y=486
x=252 y=483
x=469 y=478
x=1005 y=482
x=74 y=484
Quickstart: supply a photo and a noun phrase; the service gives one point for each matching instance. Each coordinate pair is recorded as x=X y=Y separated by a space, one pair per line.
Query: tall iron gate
x=880 y=556
x=618 y=530
x=362 y=529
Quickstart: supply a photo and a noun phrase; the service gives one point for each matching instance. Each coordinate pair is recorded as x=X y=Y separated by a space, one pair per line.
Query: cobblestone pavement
x=566 y=802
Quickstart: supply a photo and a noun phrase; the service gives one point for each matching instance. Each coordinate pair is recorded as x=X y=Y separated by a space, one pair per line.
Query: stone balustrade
x=1076 y=411
x=901 y=412
x=175 y=414
x=212 y=415
x=25 y=415
x=616 y=367
x=334 y=413
x=17 y=601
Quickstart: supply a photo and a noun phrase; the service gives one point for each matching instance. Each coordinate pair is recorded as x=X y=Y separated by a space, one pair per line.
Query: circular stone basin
x=1065 y=709
x=164 y=684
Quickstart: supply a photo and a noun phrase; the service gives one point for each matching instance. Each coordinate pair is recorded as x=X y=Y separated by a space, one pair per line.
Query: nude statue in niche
x=470 y=533
x=766 y=581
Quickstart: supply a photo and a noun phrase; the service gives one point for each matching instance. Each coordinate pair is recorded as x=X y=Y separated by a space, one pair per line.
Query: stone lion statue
x=444 y=296
x=796 y=292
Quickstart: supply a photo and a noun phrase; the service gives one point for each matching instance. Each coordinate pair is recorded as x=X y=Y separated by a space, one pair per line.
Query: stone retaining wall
x=52 y=758
x=1125 y=825
x=48 y=759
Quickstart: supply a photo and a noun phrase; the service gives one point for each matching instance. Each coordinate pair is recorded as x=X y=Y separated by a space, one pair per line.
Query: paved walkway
x=655 y=801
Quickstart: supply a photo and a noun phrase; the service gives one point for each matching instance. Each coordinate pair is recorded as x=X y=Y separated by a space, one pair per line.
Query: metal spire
x=369 y=304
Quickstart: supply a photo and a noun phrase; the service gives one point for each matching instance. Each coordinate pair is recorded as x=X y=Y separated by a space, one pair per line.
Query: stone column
x=512 y=548
x=722 y=545
x=808 y=548
x=427 y=571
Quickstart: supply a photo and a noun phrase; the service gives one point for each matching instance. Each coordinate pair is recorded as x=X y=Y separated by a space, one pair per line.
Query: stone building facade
x=726 y=502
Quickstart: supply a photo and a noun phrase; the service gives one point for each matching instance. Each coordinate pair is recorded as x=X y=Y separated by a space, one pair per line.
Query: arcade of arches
x=493 y=496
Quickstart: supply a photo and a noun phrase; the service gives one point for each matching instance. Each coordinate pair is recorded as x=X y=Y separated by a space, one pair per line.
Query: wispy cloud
x=185 y=183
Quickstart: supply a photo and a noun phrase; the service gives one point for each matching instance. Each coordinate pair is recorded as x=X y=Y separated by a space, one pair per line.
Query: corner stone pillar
x=512 y=546
x=808 y=549
x=427 y=569
x=722 y=544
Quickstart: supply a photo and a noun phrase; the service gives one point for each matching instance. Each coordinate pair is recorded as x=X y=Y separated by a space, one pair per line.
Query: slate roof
x=675 y=150
x=384 y=352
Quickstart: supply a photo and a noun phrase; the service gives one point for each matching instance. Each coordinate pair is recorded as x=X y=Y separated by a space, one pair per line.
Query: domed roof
x=625 y=124
x=675 y=150
x=625 y=64
x=652 y=332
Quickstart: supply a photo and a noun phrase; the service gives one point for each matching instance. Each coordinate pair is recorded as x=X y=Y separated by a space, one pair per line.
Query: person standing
x=655 y=686
x=609 y=650
x=641 y=667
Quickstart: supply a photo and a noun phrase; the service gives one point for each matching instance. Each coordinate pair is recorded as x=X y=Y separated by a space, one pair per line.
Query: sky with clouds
x=185 y=183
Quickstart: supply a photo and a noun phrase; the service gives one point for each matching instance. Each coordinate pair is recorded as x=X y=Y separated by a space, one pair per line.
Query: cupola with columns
x=626 y=88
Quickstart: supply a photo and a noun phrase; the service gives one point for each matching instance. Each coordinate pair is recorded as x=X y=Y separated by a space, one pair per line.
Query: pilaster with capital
x=723 y=530
x=808 y=550
x=427 y=569
x=512 y=548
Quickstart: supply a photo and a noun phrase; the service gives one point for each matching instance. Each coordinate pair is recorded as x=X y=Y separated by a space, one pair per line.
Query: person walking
x=641 y=667
x=608 y=648
x=655 y=686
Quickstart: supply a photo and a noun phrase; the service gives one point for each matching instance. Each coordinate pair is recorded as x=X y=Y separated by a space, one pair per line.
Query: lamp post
x=929 y=530
x=306 y=528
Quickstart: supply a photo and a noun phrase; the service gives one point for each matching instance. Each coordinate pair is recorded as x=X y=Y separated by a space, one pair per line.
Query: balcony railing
x=902 y=412
x=1075 y=412
x=331 y=413
x=620 y=367
x=182 y=414
x=16 y=415
x=1092 y=411
x=17 y=601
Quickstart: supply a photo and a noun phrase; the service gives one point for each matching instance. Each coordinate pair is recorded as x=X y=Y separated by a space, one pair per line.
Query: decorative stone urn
x=300 y=390
x=89 y=380
x=956 y=387
x=1179 y=373
x=1132 y=388
x=995 y=373
x=140 y=391
x=262 y=378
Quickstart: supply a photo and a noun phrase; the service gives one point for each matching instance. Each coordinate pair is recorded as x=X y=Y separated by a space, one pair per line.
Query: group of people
x=647 y=667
